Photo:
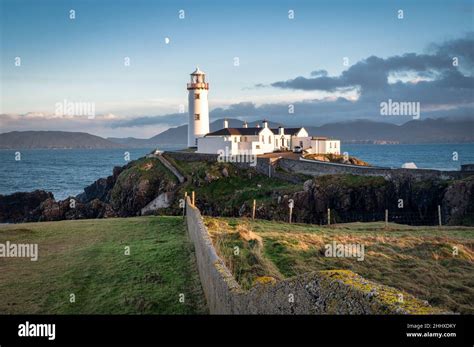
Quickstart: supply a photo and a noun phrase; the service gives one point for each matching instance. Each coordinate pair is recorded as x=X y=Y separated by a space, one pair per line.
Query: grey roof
x=288 y=131
x=250 y=131
x=236 y=131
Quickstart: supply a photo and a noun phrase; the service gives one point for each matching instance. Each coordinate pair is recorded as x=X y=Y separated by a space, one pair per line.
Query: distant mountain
x=179 y=135
x=440 y=130
x=53 y=139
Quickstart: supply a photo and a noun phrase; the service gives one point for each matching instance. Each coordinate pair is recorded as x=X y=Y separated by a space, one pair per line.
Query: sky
x=282 y=61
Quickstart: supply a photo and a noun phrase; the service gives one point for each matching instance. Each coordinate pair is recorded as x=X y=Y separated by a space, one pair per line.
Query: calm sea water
x=65 y=172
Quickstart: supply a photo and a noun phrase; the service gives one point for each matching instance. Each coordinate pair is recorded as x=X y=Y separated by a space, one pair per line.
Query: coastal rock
x=138 y=184
x=100 y=189
x=458 y=202
x=18 y=207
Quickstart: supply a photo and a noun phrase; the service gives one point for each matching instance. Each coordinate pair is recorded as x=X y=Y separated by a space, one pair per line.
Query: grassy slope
x=240 y=186
x=418 y=260
x=86 y=257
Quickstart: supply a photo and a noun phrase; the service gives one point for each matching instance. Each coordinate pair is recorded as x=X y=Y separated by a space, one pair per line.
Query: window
x=269 y=139
x=257 y=146
x=301 y=144
x=197 y=116
x=197 y=96
x=235 y=139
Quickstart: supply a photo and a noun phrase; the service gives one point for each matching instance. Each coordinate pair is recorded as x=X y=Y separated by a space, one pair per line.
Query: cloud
x=371 y=75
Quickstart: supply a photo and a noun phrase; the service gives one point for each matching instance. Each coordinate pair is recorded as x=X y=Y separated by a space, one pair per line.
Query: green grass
x=240 y=186
x=87 y=258
x=352 y=181
x=417 y=260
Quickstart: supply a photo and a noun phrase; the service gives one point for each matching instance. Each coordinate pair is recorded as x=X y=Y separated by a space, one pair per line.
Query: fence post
x=329 y=216
x=185 y=202
x=386 y=218
x=193 y=198
x=291 y=205
x=439 y=215
x=253 y=208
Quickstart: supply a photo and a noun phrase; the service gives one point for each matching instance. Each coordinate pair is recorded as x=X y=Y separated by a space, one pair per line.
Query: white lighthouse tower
x=198 y=124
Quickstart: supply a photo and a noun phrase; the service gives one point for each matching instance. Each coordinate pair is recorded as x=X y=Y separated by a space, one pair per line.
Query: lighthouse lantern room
x=198 y=124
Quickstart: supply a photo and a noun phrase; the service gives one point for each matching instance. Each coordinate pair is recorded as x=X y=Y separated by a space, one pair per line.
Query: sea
x=65 y=172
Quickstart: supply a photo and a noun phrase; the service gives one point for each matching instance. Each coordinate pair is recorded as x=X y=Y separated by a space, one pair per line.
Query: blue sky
x=82 y=59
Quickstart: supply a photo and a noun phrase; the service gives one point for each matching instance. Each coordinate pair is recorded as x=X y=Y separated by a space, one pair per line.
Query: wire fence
x=409 y=218
x=436 y=218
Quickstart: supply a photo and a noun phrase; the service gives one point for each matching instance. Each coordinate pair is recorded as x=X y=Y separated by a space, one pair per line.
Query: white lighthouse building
x=237 y=141
x=198 y=124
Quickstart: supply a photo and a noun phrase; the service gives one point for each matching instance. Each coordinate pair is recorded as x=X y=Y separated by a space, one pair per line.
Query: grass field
x=418 y=260
x=87 y=258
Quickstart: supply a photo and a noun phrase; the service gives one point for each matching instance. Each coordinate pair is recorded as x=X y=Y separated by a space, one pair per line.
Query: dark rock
x=101 y=188
x=458 y=202
x=18 y=207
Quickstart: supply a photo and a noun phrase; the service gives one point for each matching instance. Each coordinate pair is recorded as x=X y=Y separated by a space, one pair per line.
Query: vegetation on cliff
x=224 y=189
x=433 y=264
x=138 y=184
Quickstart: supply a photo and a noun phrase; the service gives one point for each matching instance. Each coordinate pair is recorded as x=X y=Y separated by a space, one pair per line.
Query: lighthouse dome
x=198 y=72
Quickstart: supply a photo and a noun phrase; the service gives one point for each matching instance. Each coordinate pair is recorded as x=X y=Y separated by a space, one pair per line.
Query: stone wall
x=324 y=292
x=315 y=168
x=170 y=167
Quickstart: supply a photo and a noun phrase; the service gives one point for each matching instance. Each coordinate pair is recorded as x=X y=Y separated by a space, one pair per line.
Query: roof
x=250 y=131
x=287 y=131
x=236 y=131
x=198 y=72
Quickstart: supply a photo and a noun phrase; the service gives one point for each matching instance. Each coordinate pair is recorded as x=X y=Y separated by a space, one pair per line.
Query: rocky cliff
x=223 y=189
x=124 y=193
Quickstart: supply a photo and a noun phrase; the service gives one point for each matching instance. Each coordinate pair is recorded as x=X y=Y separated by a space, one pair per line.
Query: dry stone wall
x=325 y=292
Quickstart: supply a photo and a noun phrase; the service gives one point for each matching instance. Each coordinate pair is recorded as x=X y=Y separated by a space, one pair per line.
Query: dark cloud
x=372 y=74
x=319 y=73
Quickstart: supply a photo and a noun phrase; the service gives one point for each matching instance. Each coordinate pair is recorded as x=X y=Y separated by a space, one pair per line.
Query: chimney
x=226 y=123
x=281 y=131
x=265 y=123
x=245 y=124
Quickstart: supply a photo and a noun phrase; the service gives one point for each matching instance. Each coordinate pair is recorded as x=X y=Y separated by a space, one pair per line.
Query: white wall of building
x=212 y=145
x=325 y=146
x=333 y=147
